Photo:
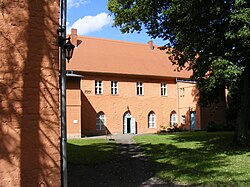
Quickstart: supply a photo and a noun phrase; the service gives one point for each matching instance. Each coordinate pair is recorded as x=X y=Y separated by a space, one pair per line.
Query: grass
x=197 y=158
x=90 y=151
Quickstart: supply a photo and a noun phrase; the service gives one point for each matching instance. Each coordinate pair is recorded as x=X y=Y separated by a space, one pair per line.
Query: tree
x=209 y=37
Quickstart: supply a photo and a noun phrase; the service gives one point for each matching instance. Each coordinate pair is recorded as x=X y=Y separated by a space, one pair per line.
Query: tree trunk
x=240 y=137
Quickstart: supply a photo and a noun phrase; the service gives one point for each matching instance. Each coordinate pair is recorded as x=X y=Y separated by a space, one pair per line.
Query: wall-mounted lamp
x=68 y=48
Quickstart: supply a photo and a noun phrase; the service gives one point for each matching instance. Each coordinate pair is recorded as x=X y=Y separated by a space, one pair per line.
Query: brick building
x=29 y=94
x=125 y=87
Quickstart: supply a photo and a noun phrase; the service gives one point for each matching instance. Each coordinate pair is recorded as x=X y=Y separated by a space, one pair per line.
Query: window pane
x=114 y=87
x=173 y=119
x=151 y=120
x=183 y=119
x=139 y=88
x=98 y=87
x=182 y=92
x=163 y=89
x=100 y=121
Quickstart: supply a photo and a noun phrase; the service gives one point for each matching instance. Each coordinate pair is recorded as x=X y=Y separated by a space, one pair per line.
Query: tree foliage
x=209 y=37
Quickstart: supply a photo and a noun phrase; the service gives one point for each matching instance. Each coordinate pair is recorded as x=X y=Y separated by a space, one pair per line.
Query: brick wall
x=73 y=113
x=187 y=103
x=29 y=99
x=115 y=106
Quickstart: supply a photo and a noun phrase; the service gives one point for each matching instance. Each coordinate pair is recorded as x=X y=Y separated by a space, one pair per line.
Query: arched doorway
x=129 y=125
x=173 y=119
x=193 y=120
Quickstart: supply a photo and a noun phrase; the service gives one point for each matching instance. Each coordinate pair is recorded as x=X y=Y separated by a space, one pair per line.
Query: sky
x=92 y=18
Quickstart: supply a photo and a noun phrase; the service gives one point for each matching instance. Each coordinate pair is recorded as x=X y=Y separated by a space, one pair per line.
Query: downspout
x=178 y=100
x=63 y=140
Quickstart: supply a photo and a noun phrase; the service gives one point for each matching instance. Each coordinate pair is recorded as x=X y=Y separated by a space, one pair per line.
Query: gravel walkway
x=129 y=168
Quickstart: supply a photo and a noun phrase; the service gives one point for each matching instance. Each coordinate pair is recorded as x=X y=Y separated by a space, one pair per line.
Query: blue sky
x=92 y=18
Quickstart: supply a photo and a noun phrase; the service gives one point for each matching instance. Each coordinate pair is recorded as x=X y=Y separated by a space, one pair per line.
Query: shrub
x=177 y=129
x=163 y=129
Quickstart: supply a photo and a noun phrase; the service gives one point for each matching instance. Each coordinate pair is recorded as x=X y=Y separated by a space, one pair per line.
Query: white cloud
x=76 y=3
x=89 y=24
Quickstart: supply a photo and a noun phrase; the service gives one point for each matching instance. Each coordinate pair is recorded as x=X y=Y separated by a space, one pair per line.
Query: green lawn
x=197 y=158
x=90 y=151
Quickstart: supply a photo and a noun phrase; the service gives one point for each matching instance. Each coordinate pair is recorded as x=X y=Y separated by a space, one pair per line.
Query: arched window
x=100 y=121
x=151 y=120
x=173 y=119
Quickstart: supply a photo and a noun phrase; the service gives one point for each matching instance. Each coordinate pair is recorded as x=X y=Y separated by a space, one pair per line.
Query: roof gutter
x=186 y=81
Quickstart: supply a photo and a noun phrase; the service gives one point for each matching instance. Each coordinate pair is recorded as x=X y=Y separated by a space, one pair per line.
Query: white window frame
x=183 y=120
x=173 y=119
x=100 y=121
x=139 y=88
x=151 y=120
x=182 y=92
x=164 y=89
x=114 y=87
x=98 y=87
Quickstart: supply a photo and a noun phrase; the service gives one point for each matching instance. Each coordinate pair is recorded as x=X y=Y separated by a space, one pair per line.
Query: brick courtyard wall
x=29 y=98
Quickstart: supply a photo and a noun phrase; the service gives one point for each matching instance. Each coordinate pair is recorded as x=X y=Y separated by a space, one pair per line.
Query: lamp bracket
x=60 y=30
x=61 y=40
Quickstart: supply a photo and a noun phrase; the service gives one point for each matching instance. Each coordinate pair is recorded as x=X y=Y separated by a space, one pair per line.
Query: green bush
x=163 y=129
x=177 y=129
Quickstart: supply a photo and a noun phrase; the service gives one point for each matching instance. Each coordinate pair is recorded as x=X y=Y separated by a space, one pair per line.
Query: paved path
x=129 y=168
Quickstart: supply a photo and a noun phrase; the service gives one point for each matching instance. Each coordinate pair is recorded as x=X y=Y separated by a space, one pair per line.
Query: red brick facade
x=115 y=107
x=29 y=98
x=83 y=104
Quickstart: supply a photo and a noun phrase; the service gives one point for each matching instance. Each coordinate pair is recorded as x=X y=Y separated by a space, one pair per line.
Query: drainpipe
x=178 y=101
x=63 y=140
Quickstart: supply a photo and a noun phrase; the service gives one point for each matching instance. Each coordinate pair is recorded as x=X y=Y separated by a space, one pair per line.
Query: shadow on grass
x=99 y=165
x=95 y=153
x=198 y=158
x=219 y=142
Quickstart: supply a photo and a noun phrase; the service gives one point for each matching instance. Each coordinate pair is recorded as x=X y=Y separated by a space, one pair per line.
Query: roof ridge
x=113 y=40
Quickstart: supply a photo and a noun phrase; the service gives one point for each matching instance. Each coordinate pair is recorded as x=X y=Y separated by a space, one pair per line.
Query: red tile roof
x=119 y=57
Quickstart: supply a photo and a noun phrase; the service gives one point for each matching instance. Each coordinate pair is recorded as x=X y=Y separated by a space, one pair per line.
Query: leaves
x=209 y=37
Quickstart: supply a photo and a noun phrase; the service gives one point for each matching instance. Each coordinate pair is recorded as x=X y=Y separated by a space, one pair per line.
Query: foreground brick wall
x=29 y=111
